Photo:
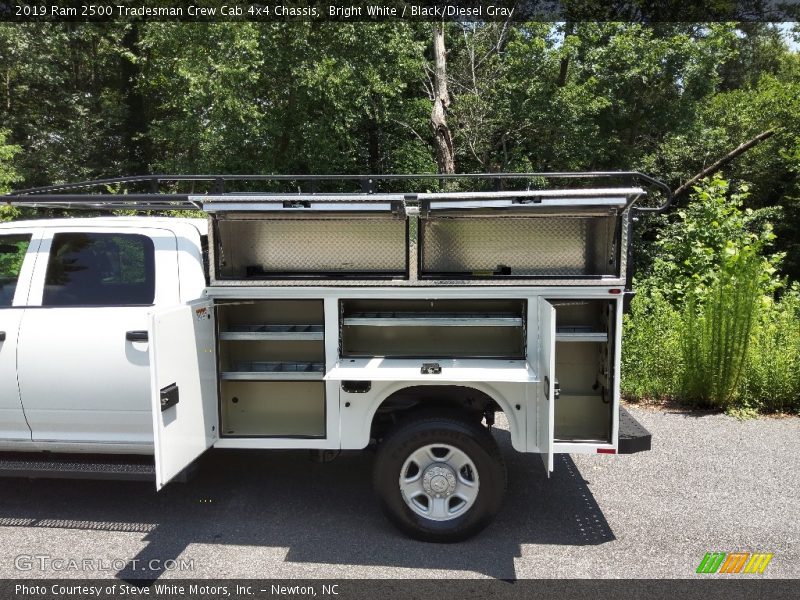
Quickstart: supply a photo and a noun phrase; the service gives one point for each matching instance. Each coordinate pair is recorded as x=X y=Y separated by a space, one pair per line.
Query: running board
x=77 y=466
x=633 y=437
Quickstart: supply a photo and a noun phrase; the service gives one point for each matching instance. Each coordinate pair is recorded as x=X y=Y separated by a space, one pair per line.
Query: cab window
x=100 y=269
x=12 y=253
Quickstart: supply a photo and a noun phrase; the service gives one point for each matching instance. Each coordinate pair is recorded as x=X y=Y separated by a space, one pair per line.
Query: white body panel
x=98 y=383
x=356 y=419
x=12 y=419
x=87 y=387
x=13 y=426
x=545 y=402
x=453 y=370
x=182 y=354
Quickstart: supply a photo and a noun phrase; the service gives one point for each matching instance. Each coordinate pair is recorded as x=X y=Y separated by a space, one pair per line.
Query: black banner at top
x=643 y=11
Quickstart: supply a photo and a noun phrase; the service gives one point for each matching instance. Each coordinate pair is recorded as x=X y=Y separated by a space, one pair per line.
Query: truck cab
x=75 y=306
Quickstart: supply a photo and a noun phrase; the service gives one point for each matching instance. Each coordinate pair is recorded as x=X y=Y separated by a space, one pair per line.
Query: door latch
x=556 y=389
x=431 y=369
x=169 y=396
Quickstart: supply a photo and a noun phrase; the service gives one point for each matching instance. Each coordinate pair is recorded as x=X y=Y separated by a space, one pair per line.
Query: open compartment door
x=183 y=386
x=545 y=401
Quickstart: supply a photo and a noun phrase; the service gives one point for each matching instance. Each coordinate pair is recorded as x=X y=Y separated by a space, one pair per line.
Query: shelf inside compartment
x=585 y=317
x=580 y=334
x=273 y=332
x=273 y=370
x=273 y=408
x=452 y=328
x=442 y=319
x=271 y=316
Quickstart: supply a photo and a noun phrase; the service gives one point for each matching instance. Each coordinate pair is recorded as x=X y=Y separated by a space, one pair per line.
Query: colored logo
x=734 y=562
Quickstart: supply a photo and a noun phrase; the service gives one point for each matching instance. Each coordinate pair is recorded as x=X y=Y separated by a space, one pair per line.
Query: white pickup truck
x=323 y=321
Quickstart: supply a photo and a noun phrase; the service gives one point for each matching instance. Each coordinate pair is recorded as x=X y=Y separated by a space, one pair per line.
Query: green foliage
x=703 y=235
x=706 y=327
x=8 y=174
x=12 y=254
x=716 y=328
x=64 y=99
x=771 y=376
x=284 y=97
x=651 y=356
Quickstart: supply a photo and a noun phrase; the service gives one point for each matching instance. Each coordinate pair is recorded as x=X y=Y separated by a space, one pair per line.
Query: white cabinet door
x=545 y=414
x=183 y=387
x=17 y=253
x=83 y=365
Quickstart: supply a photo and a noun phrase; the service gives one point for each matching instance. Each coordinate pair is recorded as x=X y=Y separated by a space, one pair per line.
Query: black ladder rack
x=164 y=192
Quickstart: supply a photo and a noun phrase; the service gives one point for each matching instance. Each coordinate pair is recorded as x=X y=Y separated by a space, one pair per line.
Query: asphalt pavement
x=711 y=483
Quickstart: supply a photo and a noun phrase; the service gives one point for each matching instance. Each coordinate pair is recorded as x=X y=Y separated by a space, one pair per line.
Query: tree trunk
x=710 y=170
x=563 y=71
x=441 y=101
x=135 y=122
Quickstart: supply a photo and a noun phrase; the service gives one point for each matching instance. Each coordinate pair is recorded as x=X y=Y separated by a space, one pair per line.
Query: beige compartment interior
x=583 y=354
x=275 y=312
x=433 y=328
x=272 y=359
x=273 y=408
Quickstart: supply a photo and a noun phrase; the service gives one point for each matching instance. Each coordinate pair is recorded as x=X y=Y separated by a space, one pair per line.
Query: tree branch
x=414 y=131
x=710 y=170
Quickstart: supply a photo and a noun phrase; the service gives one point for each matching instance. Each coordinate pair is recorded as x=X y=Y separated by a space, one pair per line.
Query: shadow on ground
x=323 y=513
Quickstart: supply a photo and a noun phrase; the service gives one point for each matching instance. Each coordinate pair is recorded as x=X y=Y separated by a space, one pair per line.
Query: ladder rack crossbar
x=120 y=193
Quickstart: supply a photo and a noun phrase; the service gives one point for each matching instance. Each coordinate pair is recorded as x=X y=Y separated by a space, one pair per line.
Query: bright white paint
x=96 y=387
x=12 y=419
x=453 y=370
x=545 y=402
x=182 y=352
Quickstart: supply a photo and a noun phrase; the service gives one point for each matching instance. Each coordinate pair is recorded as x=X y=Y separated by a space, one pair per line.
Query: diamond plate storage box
x=550 y=236
x=269 y=248
x=535 y=246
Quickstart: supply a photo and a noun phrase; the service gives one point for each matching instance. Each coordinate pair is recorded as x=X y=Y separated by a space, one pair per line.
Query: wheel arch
x=400 y=398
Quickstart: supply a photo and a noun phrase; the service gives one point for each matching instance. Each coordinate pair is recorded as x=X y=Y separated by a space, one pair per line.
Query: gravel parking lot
x=710 y=483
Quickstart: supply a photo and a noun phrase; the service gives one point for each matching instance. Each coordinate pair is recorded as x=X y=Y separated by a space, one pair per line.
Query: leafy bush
x=705 y=326
x=8 y=175
x=692 y=247
x=651 y=353
x=771 y=376
x=716 y=328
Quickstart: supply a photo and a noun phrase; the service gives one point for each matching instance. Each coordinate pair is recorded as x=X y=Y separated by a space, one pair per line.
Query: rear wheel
x=440 y=477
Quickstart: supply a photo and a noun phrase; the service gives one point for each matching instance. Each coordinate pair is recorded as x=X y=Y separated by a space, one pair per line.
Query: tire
x=451 y=472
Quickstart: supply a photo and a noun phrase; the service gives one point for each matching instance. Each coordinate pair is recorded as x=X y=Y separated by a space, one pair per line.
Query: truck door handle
x=2 y=336
x=136 y=336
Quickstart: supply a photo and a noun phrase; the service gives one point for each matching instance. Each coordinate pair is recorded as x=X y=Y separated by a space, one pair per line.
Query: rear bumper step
x=633 y=437
x=76 y=466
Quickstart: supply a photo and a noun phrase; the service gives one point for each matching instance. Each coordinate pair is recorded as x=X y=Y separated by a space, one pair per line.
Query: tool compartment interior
x=272 y=361
x=584 y=359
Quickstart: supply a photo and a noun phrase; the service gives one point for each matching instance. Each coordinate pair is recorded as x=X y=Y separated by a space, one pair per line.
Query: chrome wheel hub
x=439 y=482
